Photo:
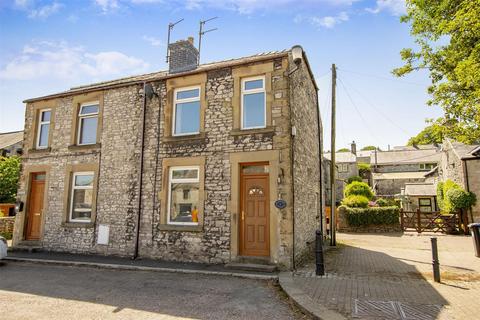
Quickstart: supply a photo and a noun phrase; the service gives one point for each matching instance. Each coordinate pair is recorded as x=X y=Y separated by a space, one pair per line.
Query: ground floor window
x=425 y=204
x=183 y=195
x=81 y=197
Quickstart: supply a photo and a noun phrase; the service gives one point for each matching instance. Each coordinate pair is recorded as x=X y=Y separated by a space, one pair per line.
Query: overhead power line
x=384 y=78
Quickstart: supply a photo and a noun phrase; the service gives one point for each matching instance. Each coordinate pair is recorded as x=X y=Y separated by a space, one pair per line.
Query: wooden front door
x=35 y=206
x=254 y=212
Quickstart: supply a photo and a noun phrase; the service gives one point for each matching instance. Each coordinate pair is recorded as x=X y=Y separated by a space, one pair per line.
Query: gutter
x=140 y=178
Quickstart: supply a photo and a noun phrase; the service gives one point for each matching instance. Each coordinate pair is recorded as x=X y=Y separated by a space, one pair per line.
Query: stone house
x=211 y=163
x=461 y=164
x=346 y=167
x=392 y=169
x=422 y=196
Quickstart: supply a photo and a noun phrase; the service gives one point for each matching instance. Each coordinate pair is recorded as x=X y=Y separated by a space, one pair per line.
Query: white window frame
x=40 y=123
x=243 y=92
x=86 y=116
x=76 y=174
x=171 y=180
x=175 y=101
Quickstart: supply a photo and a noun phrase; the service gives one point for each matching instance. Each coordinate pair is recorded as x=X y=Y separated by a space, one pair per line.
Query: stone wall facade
x=391 y=187
x=6 y=225
x=121 y=163
x=306 y=162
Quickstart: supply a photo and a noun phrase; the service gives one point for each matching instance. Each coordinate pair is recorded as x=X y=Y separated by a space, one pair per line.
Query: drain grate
x=395 y=310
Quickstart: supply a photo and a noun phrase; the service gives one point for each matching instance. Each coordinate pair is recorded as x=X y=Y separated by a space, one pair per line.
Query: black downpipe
x=320 y=164
x=140 y=178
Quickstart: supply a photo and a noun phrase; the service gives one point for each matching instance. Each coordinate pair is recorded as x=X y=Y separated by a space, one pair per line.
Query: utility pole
x=333 y=189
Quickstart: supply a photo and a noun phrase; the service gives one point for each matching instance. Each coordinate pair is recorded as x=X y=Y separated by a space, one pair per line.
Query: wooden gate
x=432 y=222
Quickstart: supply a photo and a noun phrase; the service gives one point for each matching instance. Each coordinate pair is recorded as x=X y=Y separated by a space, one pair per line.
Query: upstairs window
x=342 y=167
x=183 y=195
x=81 y=199
x=427 y=166
x=186 y=111
x=253 y=103
x=87 y=123
x=43 y=128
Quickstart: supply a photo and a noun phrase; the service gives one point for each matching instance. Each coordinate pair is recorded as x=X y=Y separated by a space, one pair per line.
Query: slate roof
x=406 y=156
x=398 y=175
x=420 y=189
x=466 y=151
x=10 y=138
x=154 y=76
x=342 y=157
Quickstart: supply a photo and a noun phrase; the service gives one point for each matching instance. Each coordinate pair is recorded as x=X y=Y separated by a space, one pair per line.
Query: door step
x=251 y=267
x=27 y=246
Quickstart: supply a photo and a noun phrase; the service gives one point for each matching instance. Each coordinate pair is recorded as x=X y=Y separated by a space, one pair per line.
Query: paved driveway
x=35 y=291
x=389 y=276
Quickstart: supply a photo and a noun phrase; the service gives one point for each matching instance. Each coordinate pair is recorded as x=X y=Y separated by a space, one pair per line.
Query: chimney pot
x=190 y=39
x=354 y=148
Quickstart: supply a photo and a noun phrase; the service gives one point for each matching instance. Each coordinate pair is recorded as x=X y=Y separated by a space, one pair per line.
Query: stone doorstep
x=26 y=246
x=251 y=267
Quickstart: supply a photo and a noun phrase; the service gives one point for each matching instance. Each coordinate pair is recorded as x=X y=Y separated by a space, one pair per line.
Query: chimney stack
x=353 y=148
x=183 y=56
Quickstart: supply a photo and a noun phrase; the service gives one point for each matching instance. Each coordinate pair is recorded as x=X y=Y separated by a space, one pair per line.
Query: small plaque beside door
x=281 y=204
x=103 y=234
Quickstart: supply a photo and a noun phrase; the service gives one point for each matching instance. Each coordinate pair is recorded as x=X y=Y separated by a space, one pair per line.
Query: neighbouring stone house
x=419 y=196
x=461 y=164
x=391 y=170
x=182 y=165
x=11 y=143
x=346 y=167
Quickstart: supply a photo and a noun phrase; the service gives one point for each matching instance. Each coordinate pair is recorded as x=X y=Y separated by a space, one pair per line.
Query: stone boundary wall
x=343 y=226
x=6 y=224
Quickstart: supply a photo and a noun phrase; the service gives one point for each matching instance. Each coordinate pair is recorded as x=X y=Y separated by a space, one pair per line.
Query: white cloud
x=59 y=60
x=45 y=11
x=107 y=5
x=323 y=22
x=35 y=11
x=394 y=7
x=153 y=41
x=241 y=6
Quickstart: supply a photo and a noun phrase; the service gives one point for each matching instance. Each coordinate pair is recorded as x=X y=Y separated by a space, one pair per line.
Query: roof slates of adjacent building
x=420 y=189
x=164 y=74
x=465 y=151
x=406 y=156
x=342 y=157
x=398 y=175
x=8 y=139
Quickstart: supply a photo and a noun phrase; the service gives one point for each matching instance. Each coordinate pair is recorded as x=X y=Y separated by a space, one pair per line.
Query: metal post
x=419 y=222
x=333 y=240
x=401 y=219
x=319 y=264
x=435 y=262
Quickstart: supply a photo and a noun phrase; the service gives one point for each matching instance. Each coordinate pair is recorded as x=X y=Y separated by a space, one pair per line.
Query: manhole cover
x=395 y=310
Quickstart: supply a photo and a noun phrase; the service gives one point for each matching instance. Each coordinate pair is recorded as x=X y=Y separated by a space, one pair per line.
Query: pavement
x=141 y=264
x=389 y=276
x=45 y=291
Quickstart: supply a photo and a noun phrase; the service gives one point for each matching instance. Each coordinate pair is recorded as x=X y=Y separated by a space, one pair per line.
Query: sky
x=49 y=46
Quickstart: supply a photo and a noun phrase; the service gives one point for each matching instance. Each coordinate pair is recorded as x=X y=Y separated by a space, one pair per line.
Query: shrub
x=6 y=235
x=354 y=178
x=355 y=201
x=364 y=169
x=359 y=189
x=460 y=199
x=9 y=174
x=382 y=202
x=372 y=216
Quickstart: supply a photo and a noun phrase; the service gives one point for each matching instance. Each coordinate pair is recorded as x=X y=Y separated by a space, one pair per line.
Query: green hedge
x=354 y=201
x=372 y=216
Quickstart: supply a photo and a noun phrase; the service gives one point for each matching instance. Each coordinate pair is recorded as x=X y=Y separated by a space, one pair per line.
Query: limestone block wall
x=306 y=161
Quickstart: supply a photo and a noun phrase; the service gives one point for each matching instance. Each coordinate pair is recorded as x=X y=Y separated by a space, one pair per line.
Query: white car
x=3 y=247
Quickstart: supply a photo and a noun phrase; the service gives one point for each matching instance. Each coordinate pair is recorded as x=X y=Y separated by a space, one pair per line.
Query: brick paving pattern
x=389 y=277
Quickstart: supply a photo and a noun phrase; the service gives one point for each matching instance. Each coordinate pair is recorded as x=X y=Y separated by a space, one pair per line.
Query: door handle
x=243 y=215
x=37 y=213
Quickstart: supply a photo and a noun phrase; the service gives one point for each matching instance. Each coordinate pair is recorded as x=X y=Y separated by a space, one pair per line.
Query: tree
x=447 y=33
x=431 y=134
x=368 y=148
x=343 y=150
x=9 y=174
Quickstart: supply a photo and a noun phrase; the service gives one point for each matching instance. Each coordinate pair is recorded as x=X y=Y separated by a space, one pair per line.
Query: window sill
x=78 y=224
x=242 y=132
x=95 y=146
x=194 y=138
x=43 y=150
x=171 y=227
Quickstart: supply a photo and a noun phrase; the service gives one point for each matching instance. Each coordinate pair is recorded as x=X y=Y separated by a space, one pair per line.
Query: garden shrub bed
x=372 y=215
